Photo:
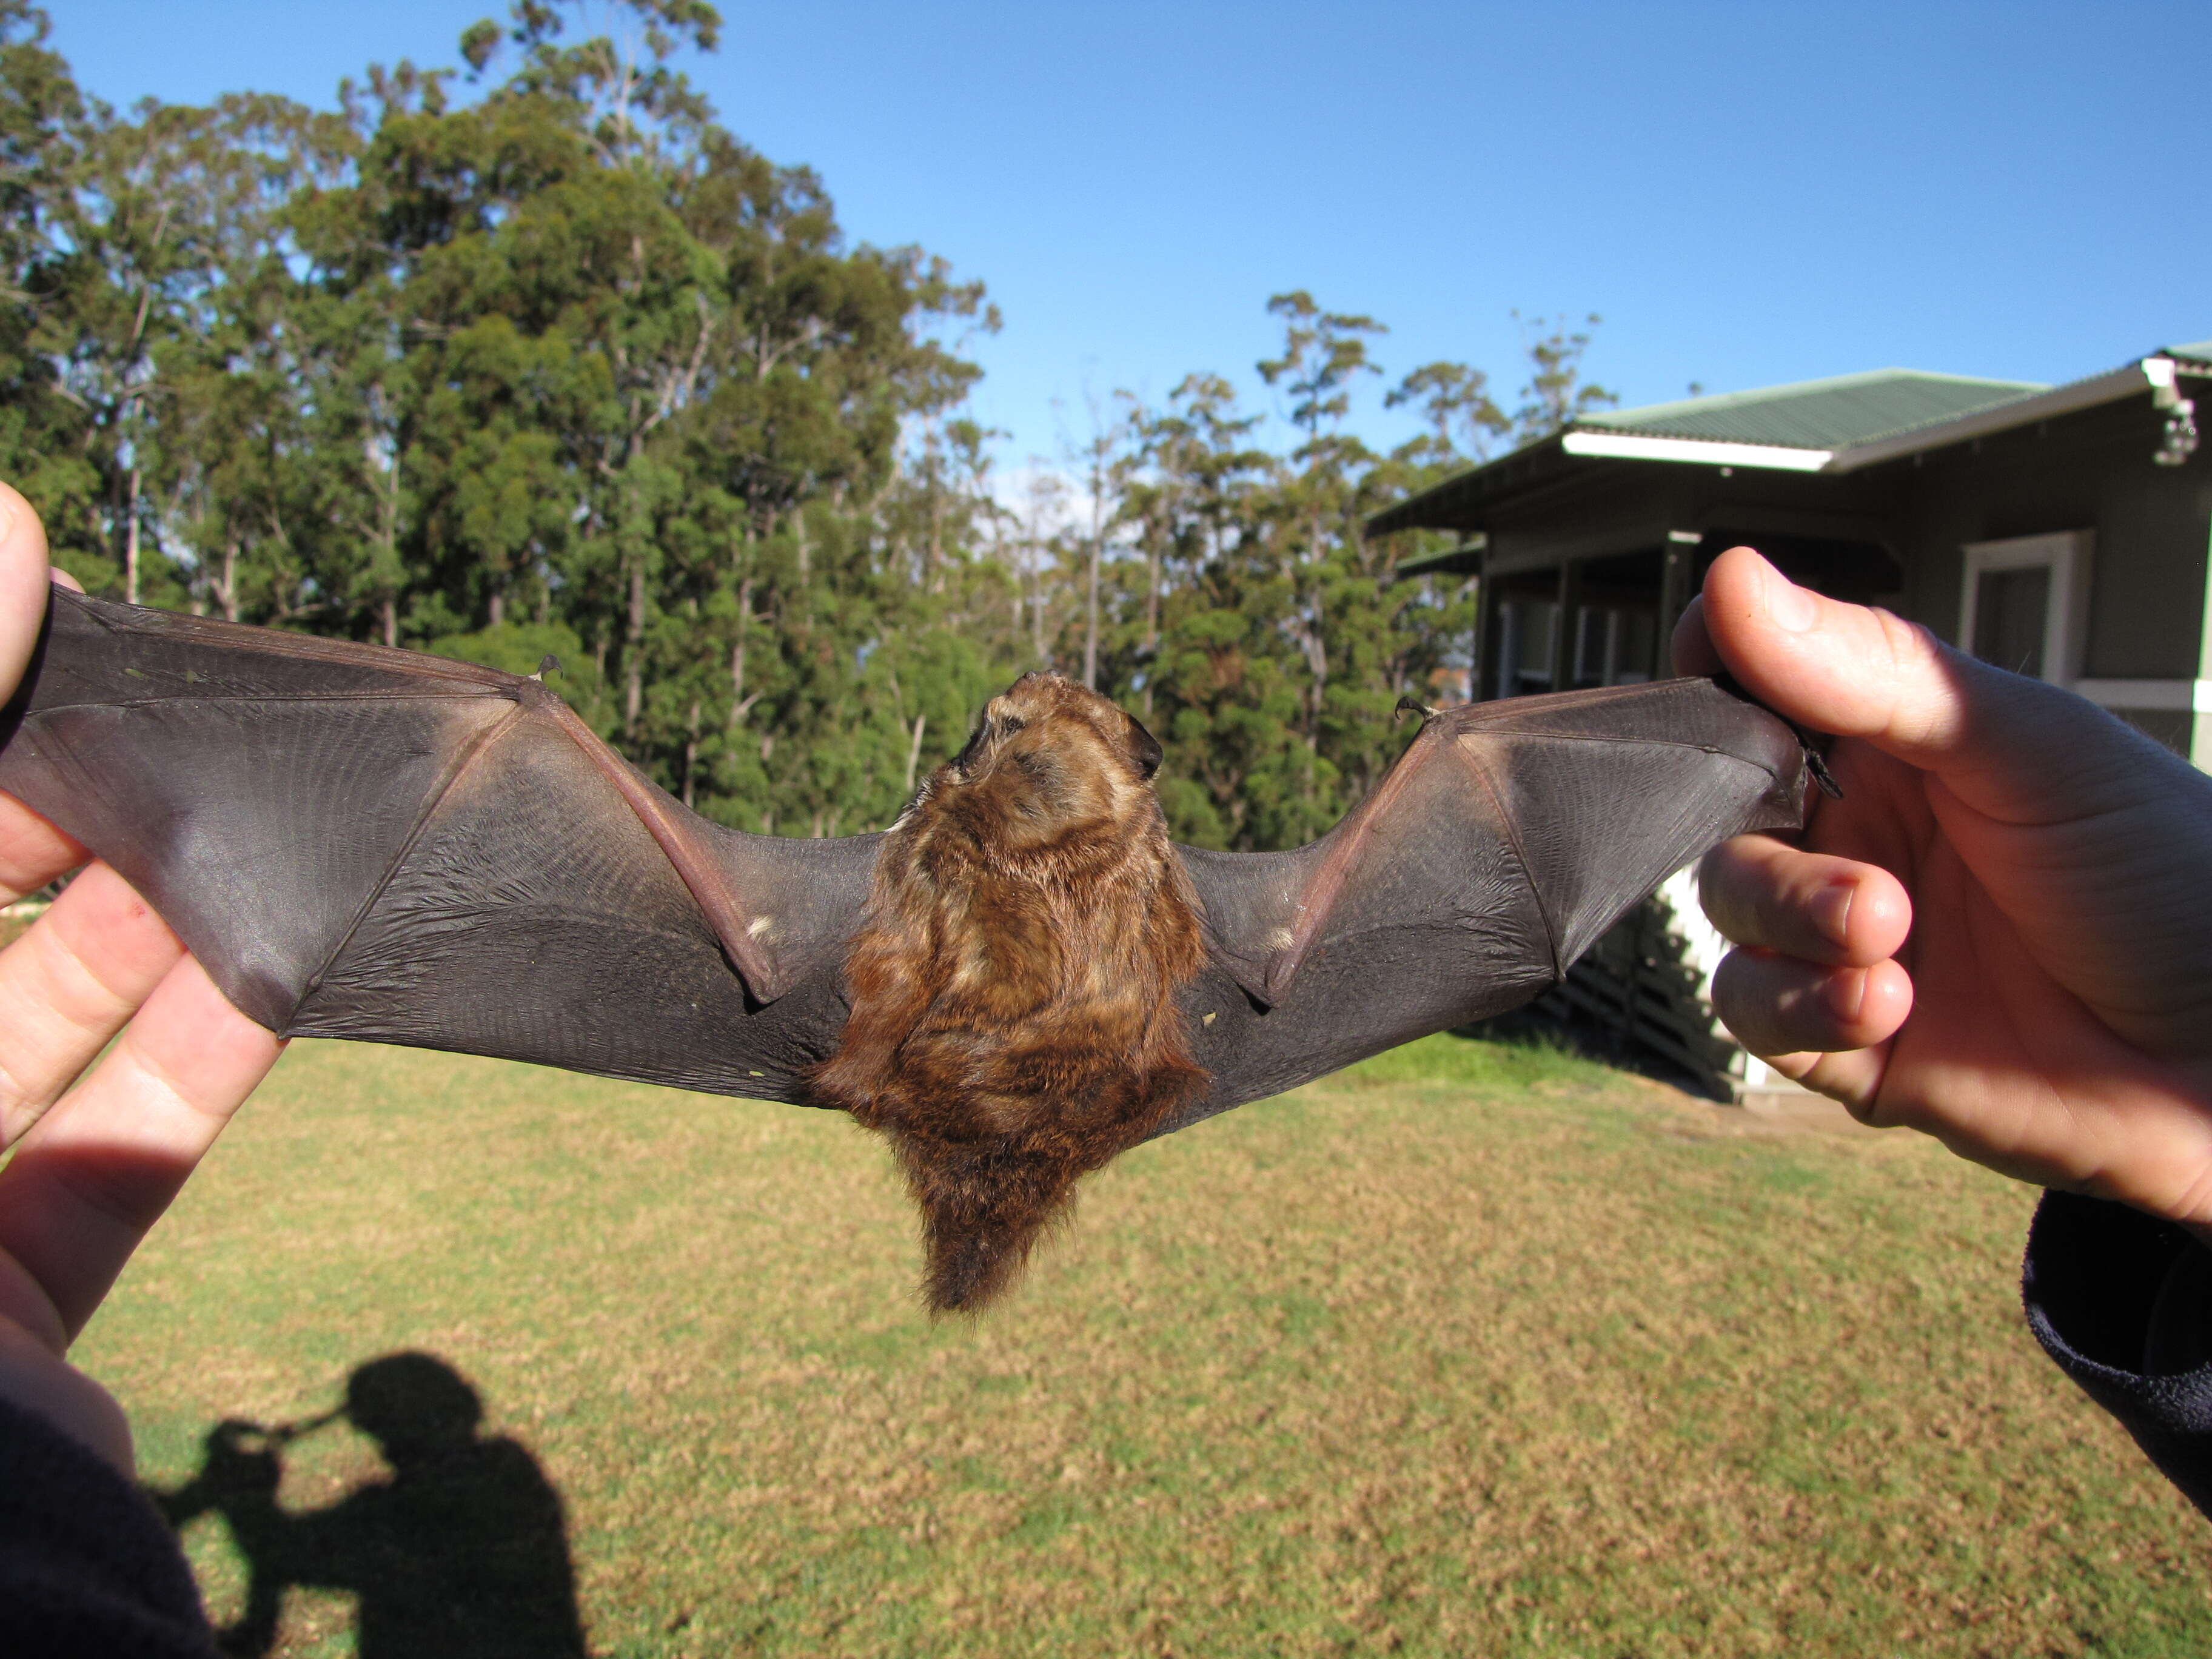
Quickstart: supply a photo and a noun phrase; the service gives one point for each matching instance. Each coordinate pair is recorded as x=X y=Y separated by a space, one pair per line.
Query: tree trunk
x=737 y=651
x=1152 y=620
x=633 y=654
x=495 y=608
x=230 y=581
x=931 y=581
x=1090 y=625
x=131 y=545
x=914 y=751
x=390 y=530
x=1036 y=602
x=691 y=752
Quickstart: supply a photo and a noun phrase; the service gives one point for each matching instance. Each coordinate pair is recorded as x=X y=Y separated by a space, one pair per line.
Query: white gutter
x=1629 y=446
x=2154 y=374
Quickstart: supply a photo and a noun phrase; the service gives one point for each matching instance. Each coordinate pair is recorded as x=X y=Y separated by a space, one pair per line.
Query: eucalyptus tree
x=532 y=356
x=46 y=433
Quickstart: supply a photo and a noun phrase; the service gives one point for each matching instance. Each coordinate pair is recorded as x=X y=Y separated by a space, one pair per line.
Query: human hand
x=242 y=1457
x=97 y=1155
x=238 y=1463
x=2001 y=934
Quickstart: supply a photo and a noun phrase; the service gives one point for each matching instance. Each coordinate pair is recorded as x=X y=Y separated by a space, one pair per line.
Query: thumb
x=2002 y=742
x=22 y=585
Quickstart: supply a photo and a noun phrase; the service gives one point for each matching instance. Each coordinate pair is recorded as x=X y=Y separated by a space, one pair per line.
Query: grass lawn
x=1476 y=1350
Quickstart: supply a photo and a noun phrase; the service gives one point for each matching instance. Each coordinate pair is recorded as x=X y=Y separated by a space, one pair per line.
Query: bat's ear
x=973 y=746
x=1144 y=747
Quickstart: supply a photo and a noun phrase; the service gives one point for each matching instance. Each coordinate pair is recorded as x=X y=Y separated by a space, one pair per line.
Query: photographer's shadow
x=461 y=1550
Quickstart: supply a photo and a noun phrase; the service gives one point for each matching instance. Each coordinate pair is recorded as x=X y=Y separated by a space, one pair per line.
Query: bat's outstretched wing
x=1507 y=838
x=386 y=846
x=376 y=844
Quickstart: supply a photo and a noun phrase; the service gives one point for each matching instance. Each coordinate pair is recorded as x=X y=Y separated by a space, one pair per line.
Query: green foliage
x=563 y=365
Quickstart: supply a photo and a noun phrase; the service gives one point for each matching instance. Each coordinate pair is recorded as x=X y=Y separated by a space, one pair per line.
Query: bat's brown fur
x=1013 y=1021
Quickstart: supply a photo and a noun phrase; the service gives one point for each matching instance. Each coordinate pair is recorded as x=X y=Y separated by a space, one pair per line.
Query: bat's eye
x=1010 y=724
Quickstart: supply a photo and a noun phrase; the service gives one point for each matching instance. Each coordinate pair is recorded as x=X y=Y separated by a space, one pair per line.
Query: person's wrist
x=35 y=1379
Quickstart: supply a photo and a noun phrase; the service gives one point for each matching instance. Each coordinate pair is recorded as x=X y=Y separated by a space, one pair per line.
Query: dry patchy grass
x=1475 y=1350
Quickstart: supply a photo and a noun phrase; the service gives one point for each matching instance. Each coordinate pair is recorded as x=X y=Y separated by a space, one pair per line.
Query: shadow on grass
x=461 y=1550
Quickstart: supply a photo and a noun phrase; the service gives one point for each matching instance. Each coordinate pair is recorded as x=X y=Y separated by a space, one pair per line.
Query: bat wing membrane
x=1507 y=838
x=380 y=845
x=384 y=846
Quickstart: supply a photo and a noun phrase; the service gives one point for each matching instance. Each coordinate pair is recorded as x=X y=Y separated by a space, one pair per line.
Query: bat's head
x=1051 y=754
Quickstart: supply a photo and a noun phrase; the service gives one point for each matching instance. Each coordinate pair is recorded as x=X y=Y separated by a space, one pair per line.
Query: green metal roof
x=1835 y=425
x=1828 y=414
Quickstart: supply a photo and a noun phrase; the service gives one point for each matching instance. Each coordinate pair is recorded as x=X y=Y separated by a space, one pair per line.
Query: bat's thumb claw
x=1408 y=706
x=548 y=663
x=1817 y=765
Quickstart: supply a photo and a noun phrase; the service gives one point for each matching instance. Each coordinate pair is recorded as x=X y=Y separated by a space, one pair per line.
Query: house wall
x=2091 y=471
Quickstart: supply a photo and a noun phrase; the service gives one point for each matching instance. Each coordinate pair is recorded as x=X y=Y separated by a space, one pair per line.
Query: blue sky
x=1747 y=194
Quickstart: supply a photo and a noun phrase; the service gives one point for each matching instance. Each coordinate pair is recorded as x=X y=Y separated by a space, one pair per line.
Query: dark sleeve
x=2123 y=1303
x=85 y=1564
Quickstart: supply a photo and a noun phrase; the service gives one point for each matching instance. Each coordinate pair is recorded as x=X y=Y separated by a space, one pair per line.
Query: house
x=2063 y=531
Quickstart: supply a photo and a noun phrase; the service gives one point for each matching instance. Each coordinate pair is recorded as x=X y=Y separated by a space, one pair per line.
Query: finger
x=32 y=851
x=23 y=585
x=1778 y=1005
x=2008 y=743
x=63 y=579
x=1852 y=1077
x=1813 y=906
x=69 y=985
x=1693 y=646
x=98 y=1170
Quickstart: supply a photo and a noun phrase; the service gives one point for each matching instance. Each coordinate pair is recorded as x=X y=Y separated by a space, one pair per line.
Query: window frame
x=2065 y=554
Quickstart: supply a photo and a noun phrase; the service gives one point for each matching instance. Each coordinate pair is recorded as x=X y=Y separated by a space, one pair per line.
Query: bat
x=1014 y=983
x=1019 y=979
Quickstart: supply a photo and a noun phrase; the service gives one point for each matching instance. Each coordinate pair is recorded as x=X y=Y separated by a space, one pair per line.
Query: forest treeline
x=532 y=355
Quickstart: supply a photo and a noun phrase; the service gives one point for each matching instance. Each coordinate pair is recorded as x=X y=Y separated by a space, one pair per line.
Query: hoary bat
x=1020 y=979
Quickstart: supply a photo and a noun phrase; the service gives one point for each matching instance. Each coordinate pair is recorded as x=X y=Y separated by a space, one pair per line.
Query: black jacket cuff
x=86 y=1565
x=2123 y=1303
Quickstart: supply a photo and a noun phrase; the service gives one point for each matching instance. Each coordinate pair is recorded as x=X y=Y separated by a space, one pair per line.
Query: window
x=2026 y=604
x=1609 y=644
x=1524 y=650
x=1612 y=645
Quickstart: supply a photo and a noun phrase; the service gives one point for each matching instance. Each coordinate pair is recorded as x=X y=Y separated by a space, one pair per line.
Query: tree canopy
x=529 y=355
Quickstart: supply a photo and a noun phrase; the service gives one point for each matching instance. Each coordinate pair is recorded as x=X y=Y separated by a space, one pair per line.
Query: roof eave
x=2126 y=381
x=2144 y=374
x=1417 y=512
x=2154 y=374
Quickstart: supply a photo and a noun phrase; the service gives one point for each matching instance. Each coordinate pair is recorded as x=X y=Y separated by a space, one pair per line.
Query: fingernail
x=1789 y=607
x=1832 y=910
